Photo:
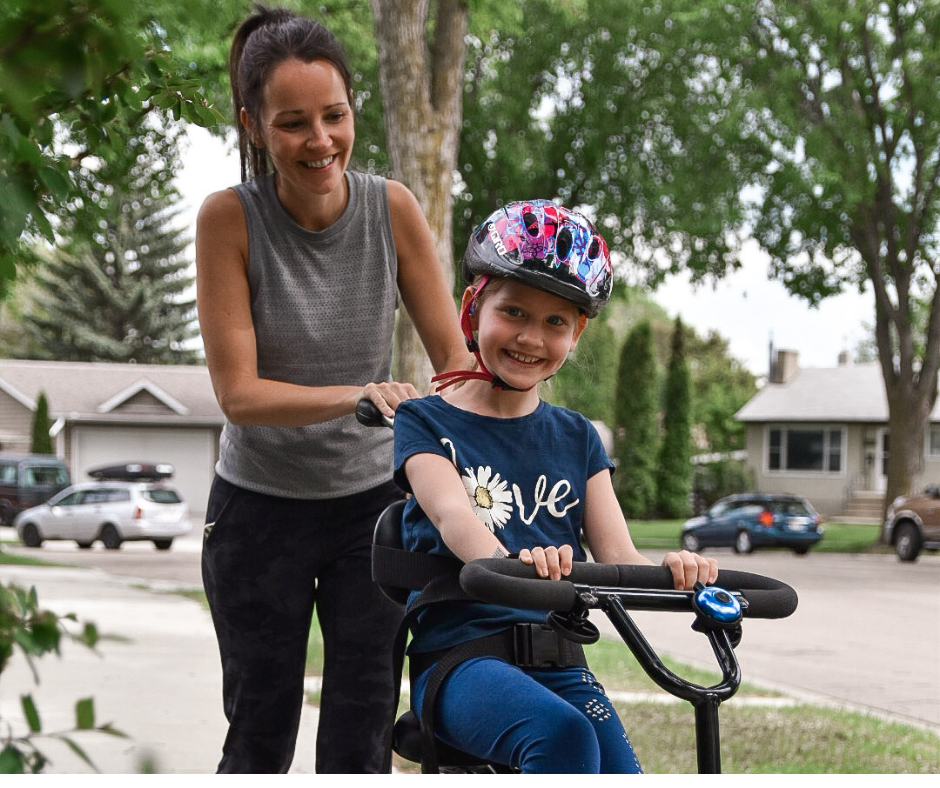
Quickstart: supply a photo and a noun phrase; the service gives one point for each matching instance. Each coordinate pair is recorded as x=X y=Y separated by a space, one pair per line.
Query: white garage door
x=190 y=451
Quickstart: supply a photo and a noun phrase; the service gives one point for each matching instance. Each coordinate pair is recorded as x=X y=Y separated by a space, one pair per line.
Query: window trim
x=826 y=429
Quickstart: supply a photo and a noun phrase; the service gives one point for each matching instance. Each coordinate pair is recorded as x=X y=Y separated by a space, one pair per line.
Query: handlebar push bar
x=614 y=589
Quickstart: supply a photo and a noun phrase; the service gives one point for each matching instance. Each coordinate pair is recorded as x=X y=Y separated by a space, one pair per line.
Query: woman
x=297 y=273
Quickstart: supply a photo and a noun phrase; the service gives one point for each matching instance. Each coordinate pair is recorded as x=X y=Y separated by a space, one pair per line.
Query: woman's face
x=306 y=125
x=525 y=334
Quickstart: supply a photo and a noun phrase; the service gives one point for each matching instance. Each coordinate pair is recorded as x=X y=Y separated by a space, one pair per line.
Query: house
x=104 y=414
x=823 y=434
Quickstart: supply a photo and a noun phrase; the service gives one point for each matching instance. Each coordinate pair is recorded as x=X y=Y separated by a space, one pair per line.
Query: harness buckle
x=537 y=646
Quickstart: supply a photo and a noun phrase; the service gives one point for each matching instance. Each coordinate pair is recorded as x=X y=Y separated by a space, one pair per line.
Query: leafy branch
x=34 y=632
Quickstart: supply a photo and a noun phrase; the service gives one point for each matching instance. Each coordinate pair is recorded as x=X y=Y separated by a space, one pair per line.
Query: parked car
x=27 y=480
x=749 y=520
x=111 y=510
x=913 y=523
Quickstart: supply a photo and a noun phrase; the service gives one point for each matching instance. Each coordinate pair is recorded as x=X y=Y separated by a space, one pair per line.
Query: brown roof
x=99 y=391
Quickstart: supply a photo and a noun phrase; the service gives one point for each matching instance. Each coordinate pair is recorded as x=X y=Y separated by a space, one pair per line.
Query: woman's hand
x=688 y=568
x=552 y=562
x=388 y=395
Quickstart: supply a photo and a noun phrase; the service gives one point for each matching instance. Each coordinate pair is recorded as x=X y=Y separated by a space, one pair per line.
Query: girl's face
x=525 y=334
x=306 y=124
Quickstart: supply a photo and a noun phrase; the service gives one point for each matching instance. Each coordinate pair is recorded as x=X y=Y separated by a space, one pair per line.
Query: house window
x=933 y=441
x=804 y=449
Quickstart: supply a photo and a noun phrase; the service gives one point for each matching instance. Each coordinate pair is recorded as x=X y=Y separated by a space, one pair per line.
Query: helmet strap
x=451 y=377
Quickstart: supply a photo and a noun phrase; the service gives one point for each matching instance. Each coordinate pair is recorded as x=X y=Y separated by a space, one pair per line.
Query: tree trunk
x=422 y=92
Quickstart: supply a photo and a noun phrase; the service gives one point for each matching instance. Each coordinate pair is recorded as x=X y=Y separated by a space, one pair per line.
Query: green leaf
x=90 y=635
x=31 y=713
x=11 y=761
x=85 y=714
x=55 y=182
x=74 y=746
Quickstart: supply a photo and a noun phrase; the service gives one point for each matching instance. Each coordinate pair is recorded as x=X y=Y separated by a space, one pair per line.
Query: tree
x=674 y=471
x=421 y=75
x=117 y=287
x=586 y=381
x=635 y=423
x=41 y=442
x=77 y=79
x=721 y=385
x=812 y=127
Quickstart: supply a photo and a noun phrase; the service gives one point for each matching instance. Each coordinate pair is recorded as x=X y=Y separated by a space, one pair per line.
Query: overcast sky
x=746 y=308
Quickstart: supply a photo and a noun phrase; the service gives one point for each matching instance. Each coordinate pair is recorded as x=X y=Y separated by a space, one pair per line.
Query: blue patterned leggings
x=539 y=721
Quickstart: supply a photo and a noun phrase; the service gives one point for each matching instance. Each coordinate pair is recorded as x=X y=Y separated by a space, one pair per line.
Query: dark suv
x=27 y=480
x=913 y=523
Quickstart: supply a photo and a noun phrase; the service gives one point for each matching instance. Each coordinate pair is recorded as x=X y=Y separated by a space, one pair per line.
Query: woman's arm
x=609 y=537
x=223 y=300
x=421 y=282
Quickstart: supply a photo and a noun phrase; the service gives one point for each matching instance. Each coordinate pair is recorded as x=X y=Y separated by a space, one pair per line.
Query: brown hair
x=263 y=41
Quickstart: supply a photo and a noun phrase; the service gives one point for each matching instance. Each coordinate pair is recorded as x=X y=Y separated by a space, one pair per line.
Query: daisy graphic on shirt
x=489 y=495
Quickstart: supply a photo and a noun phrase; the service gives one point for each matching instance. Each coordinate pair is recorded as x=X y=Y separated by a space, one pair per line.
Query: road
x=866 y=633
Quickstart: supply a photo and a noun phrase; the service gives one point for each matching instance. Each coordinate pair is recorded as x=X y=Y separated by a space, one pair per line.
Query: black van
x=28 y=480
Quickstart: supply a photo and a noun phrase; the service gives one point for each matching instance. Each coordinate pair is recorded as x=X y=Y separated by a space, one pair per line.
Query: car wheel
x=110 y=537
x=162 y=544
x=801 y=550
x=691 y=543
x=6 y=514
x=907 y=542
x=84 y=545
x=31 y=535
x=743 y=543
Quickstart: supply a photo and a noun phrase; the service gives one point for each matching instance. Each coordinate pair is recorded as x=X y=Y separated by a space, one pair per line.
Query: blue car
x=749 y=520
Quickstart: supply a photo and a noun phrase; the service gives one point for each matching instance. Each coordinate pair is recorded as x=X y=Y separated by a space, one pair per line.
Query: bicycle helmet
x=542 y=245
x=545 y=246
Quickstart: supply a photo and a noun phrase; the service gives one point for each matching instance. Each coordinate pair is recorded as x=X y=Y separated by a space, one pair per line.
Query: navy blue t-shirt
x=526 y=479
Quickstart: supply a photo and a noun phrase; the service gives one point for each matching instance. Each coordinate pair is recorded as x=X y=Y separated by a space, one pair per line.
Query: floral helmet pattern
x=545 y=246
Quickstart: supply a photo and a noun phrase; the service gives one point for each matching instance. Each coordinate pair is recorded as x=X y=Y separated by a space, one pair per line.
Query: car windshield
x=161 y=495
x=45 y=474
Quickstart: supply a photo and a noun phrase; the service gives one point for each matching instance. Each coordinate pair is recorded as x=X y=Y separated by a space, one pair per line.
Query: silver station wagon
x=112 y=510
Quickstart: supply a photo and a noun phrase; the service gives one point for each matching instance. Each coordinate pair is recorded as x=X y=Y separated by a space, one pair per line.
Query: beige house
x=823 y=434
x=104 y=414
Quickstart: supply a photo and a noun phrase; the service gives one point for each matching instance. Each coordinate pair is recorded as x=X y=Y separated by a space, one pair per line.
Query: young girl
x=497 y=471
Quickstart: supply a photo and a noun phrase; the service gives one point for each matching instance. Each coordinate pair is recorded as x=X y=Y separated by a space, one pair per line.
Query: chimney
x=786 y=365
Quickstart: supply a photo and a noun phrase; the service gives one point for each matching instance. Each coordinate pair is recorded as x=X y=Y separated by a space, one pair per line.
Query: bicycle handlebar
x=515 y=584
x=369 y=415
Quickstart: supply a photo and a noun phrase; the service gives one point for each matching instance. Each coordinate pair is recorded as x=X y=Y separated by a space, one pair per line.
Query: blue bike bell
x=717 y=605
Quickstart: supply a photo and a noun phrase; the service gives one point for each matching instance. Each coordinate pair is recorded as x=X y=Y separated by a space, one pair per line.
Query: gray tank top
x=323 y=305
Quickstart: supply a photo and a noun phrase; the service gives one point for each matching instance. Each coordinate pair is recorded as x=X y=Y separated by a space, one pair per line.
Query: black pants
x=267 y=562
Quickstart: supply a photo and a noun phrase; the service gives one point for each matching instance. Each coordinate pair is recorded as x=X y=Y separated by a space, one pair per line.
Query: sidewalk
x=158 y=679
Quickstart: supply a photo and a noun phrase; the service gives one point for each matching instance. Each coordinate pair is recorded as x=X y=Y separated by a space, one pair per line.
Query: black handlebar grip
x=515 y=584
x=369 y=415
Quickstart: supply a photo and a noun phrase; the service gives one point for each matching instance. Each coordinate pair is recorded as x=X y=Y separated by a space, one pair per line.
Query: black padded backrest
x=387 y=536
x=388 y=528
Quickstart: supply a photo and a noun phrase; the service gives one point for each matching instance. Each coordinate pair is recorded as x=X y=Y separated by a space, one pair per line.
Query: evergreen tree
x=42 y=441
x=674 y=474
x=635 y=427
x=115 y=287
x=586 y=382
